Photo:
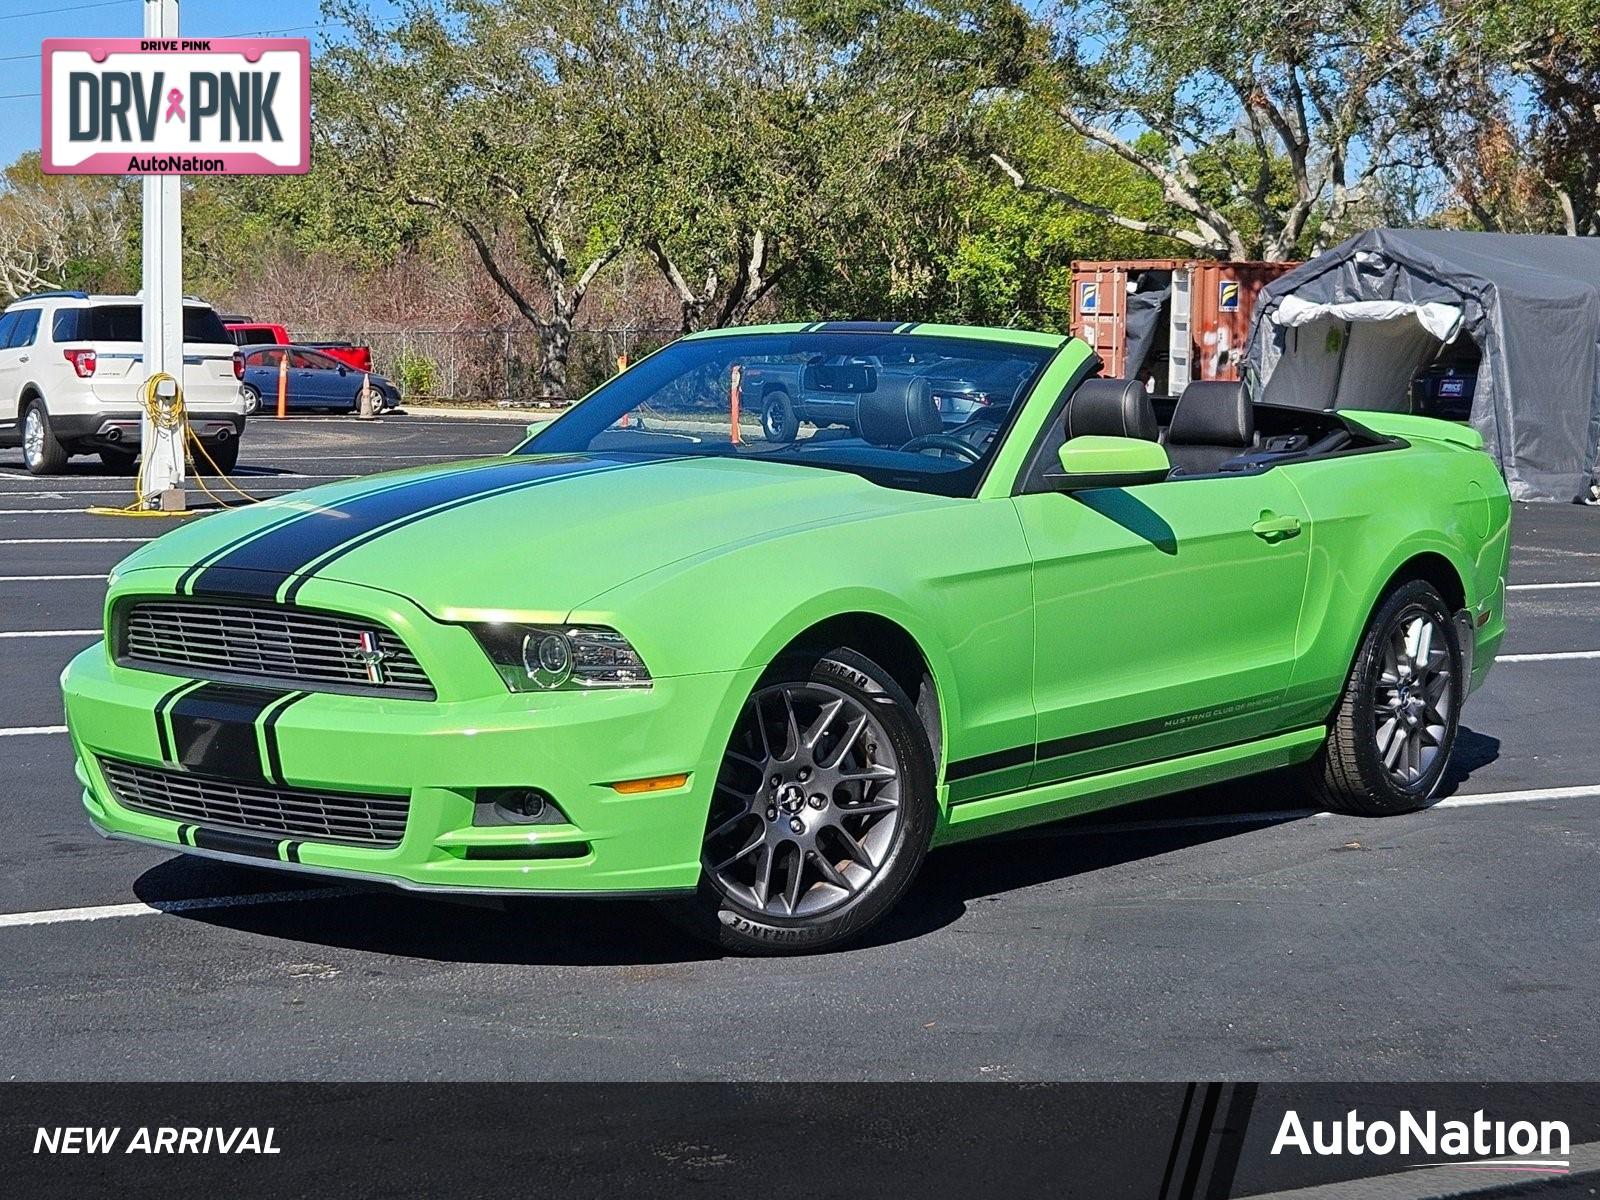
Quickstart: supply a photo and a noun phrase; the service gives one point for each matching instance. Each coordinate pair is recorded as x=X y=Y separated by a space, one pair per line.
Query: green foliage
x=416 y=374
x=912 y=159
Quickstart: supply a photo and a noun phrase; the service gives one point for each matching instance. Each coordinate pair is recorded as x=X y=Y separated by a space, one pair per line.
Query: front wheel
x=822 y=812
x=252 y=400
x=1391 y=736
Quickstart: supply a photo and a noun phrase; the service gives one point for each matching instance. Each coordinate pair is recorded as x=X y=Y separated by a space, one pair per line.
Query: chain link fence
x=491 y=365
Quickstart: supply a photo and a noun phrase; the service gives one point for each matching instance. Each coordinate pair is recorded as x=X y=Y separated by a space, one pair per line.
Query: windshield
x=911 y=411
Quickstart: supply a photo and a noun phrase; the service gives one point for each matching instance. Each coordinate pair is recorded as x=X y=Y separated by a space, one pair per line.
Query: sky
x=24 y=24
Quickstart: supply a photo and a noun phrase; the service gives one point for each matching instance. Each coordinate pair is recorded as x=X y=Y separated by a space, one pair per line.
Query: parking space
x=1223 y=933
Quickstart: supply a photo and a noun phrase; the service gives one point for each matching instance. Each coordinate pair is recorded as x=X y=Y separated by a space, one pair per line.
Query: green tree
x=61 y=231
x=484 y=114
x=1511 y=117
x=1267 y=127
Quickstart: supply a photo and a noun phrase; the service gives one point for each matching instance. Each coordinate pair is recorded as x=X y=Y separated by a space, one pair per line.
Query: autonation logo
x=1479 y=1143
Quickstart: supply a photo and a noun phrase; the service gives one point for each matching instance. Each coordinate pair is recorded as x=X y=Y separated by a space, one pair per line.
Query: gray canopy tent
x=1350 y=329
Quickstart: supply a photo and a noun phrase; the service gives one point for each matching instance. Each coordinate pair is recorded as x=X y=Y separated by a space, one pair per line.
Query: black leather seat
x=892 y=416
x=1214 y=421
x=1112 y=408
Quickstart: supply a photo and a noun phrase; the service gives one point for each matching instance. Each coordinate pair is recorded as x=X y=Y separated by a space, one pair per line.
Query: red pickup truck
x=264 y=333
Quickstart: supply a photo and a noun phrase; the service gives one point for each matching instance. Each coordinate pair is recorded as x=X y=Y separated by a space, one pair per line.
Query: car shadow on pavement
x=560 y=932
x=1473 y=751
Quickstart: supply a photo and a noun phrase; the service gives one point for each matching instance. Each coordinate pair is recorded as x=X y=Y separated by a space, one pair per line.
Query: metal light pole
x=163 y=299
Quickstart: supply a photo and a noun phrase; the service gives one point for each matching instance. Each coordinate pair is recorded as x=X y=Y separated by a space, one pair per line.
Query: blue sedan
x=316 y=380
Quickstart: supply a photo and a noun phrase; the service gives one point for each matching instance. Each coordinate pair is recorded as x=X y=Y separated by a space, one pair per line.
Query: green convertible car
x=654 y=652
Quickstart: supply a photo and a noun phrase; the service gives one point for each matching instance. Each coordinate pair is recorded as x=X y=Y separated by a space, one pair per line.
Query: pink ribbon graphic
x=175 y=105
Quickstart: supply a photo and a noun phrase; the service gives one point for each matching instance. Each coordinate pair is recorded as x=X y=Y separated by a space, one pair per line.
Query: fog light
x=517 y=806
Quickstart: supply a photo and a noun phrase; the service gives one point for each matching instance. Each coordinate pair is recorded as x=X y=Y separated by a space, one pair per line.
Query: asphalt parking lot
x=1227 y=933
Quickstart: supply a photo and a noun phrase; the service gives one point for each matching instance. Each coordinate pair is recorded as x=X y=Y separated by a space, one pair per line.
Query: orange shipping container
x=1189 y=318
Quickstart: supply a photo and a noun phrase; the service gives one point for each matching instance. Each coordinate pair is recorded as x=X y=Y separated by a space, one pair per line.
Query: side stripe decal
x=1065 y=747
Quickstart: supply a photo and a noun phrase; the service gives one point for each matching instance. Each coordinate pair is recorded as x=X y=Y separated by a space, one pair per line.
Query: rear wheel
x=1391 y=736
x=822 y=813
x=778 y=421
x=41 y=451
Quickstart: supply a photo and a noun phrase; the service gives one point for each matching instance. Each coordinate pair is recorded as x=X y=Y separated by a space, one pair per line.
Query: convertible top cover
x=1348 y=329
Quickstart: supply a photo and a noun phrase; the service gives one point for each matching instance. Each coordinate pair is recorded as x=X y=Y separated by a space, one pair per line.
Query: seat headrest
x=1213 y=412
x=1112 y=408
x=892 y=417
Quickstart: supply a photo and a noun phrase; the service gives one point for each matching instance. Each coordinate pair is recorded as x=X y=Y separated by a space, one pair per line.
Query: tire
x=224 y=454
x=788 y=870
x=1390 y=738
x=123 y=462
x=252 y=400
x=42 y=453
x=778 y=421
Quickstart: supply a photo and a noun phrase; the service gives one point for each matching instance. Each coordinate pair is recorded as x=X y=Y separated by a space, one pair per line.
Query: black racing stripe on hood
x=595 y=467
x=257 y=568
x=206 y=560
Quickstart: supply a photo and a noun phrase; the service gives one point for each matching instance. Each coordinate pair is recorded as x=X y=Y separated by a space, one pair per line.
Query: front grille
x=298 y=647
x=263 y=808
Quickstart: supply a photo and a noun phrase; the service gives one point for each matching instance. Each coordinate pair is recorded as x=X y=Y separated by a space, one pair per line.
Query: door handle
x=1274 y=528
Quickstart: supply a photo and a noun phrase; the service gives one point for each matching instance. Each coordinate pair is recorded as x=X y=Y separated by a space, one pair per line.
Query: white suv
x=71 y=371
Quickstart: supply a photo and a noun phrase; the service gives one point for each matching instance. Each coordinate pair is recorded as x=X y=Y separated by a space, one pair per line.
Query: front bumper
x=438 y=755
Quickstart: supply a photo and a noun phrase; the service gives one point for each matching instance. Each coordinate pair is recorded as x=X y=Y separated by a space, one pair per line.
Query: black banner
x=761 y=1141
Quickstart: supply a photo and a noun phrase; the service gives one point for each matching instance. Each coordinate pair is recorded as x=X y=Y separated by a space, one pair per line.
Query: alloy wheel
x=1413 y=697
x=33 y=437
x=807 y=803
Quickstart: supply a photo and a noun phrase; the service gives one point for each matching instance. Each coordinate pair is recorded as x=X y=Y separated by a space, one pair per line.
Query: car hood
x=522 y=534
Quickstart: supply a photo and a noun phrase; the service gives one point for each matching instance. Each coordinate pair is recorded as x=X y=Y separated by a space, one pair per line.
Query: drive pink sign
x=195 y=106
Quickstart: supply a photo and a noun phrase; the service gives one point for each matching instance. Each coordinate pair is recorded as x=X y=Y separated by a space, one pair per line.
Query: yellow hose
x=168 y=414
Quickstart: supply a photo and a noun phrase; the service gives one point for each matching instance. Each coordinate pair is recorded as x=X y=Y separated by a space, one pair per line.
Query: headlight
x=540 y=657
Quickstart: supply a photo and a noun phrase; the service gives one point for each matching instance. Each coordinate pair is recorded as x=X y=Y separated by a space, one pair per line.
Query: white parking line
x=57 y=495
x=30 y=730
x=1276 y=816
x=103 y=912
x=43 y=578
x=42 y=633
x=385 y=457
x=1553 y=656
x=1546 y=587
x=1525 y=797
x=113 y=486
x=72 y=541
x=6 y=512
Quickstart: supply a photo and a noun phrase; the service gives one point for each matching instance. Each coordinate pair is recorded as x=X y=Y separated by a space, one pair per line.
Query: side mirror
x=535 y=426
x=344 y=370
x=1107 y=462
